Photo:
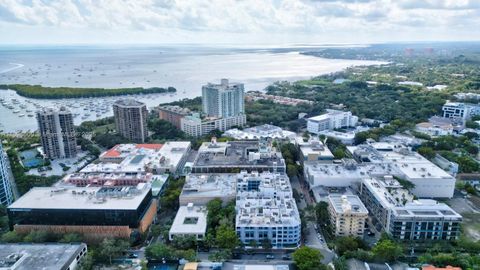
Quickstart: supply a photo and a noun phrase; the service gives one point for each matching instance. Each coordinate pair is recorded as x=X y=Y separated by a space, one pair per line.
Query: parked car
x=270 y=257
x=286 y=257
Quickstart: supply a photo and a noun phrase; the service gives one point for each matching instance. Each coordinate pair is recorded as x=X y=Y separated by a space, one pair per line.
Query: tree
x=160 y=252
x=347 y=243
x=307 y=258
x=339 y=153
x=11 y=237
x=472 y=124
x=427 y=152
x=266 y=244
x=226 y=237
x=70 y=238
x=184 y=242
x=36 y=237
x=110 y=248
x=387 y=250
x=292 y=170
x=220 y=256
x=87 y=262
x=164 y=130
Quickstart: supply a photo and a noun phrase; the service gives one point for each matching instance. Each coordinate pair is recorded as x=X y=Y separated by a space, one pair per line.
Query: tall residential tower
x=57 y=133
x=224 y=99
x=6 y=193
x=131 y=119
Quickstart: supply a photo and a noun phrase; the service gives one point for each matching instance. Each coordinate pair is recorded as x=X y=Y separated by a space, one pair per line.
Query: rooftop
x=98 y=198
x=257 y=132
x=38 y=256
x=427 y=209
x=209 y=185
x=330 y=113
x=129 y=103
x=313 y=147
x=190 y=219
x=238 y=153
x=347 y=204
x=388 y=191
x=175 y=109
x=265 y=200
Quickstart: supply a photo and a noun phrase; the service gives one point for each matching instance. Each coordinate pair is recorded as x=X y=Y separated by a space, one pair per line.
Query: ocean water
x=186 y=68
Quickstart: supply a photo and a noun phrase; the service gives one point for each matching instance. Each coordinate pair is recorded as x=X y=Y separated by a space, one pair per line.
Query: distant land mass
x=38 y=91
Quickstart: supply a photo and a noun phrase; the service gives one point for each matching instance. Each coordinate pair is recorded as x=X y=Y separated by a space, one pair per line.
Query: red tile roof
x=431 y=267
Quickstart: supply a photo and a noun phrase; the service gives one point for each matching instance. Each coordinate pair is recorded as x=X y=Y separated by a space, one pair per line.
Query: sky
x=237 y=21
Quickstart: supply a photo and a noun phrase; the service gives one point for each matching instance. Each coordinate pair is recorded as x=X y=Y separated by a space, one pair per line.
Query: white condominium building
x=460 y=110
x=224 y=99
x=266 y=210
x=195 y=126
x=347 y=214
x=331 y=120
x=404 y=218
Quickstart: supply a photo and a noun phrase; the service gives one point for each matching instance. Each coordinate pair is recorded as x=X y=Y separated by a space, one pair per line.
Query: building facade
x=224 y=99
x=57 y=133
x=347 y=214
x=266 y=210
x=131 y=119
x=331 y=120
x=194 y=126
x=395 y=209
x=460 y=110
x=172 y=114
x=95 y=212
x=6 y=178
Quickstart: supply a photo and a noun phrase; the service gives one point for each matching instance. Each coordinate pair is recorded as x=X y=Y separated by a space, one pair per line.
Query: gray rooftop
x=129 y=103
x=38 y=256
x=239 y=153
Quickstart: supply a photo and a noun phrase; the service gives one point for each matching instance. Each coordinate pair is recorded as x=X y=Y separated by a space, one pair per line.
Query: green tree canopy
x=307 y=258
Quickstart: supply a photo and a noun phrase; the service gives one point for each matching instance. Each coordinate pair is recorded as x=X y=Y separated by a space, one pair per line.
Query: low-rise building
x=266 y=210
x=464 y=111
x=169 y=157
x=191 y=220
x=258 y=132
x=199 y=189
x=439 y=126
x=95 y=212
x=314 y=150
x=195 y=126
x=235 y=156
x=83 y=179
x=331 y=120
x=41 y=256
x=394 y=208
x=347 y=214
x=172 y=114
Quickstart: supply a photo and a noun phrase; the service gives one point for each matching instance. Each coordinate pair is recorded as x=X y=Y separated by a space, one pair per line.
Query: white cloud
x=237 y=20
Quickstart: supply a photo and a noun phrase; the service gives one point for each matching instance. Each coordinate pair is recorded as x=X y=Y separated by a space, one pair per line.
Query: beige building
x=131 y=119
x=57 y=133
x=347 y=214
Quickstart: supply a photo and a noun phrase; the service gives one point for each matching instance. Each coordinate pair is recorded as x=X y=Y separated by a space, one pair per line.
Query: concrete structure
x=199 y=189
x=331 y=120
x=439 y=126
x=449 y=166
x=191 y=220
x=169 y=157
x=172 y=114
x=314 y=150
x=83 y=179
x=467 y=96
x=95 y=212
x=234 y=156
x=266 y=210
x=57 y=133
x=224 y=99
x=263 y=131
x=6 y=178
x=347 y=137
x=347 y=214
x=131 y=119
x=255 y=95
x=41 y=256
x=377 y=159
x=195 y=126
x=464 y=111
x=404 y=218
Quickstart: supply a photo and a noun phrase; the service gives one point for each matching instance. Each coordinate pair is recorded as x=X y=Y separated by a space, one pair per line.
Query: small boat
x=21 y=115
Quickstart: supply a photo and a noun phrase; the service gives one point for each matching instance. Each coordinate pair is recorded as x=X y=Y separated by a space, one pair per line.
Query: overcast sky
x=237 y=22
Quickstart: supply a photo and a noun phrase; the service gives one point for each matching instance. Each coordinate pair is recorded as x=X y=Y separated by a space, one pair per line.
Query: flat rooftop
x=387 y=191
x=238 y=153
x=314 y=147
x=129 y=103
x=427 y=209
x=38 y=256
x=77 y=198
x=209 y=185
x=257 y=132
x=347 y=204
x=190 y=219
